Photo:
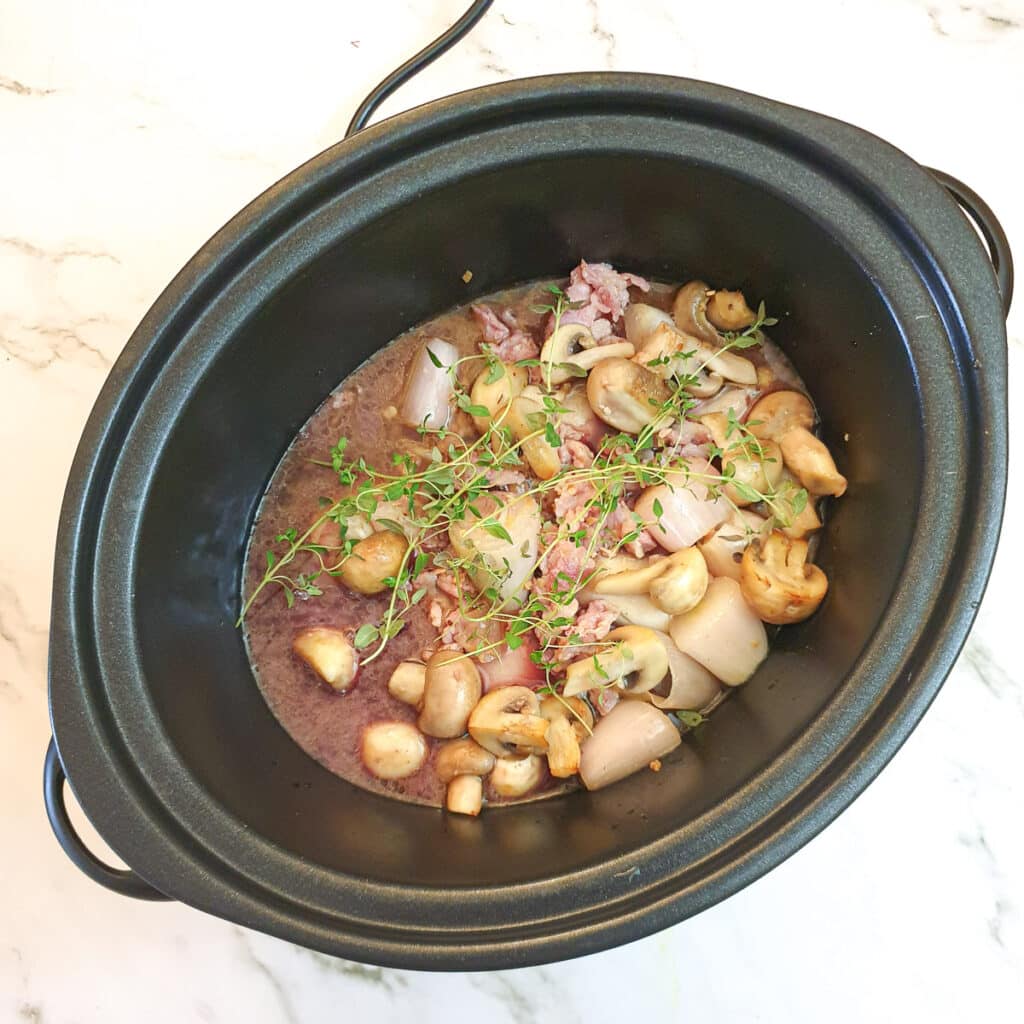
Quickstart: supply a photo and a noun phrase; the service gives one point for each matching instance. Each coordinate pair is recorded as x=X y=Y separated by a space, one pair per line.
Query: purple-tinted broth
x=325 y=724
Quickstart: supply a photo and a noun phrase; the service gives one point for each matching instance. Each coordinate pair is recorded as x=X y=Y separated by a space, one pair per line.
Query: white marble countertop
x=131 y=132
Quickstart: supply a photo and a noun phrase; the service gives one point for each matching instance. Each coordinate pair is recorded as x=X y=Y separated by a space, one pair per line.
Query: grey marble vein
x=54 y=255
x=58 y=343
x=600 y=33
x=277 y=986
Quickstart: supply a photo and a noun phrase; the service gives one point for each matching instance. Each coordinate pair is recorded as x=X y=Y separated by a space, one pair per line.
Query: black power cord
x=416 y=64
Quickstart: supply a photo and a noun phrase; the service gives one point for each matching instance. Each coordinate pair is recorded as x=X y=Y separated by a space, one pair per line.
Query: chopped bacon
x=603 y=699
x=574 y=452
x=571 y=501
x=594 y=623
x=505 y=478
x=503 y=335
x=605 y=294
x=515 y=347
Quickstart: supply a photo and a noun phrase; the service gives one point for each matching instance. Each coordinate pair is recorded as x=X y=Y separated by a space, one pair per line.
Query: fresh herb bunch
x=425 y=492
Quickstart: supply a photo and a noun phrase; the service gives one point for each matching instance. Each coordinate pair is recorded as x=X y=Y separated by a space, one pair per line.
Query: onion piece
x=722 y=633
x=628 y=738
x=428 y=388
x=687 y=513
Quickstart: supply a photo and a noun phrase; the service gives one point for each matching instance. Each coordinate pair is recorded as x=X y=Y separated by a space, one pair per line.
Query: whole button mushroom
x=373 y=561
x=451 y=690
x=516 y=776
x=626 y=396
x=407 y=682
x=461 y=765
x=393 y=750
x=682 y=585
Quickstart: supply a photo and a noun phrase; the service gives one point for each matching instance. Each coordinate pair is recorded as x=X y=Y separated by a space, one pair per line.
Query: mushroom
x=373 y=561
x=688 y=685
x=494 y=394
x=492 y=561
x=810 y=462
x=667 y=351
x=628 y=738
x=451 y=690
x=572 y=345
x=570 y=721
x=722 y=633
x=632 y=575
x=461 y=765
x=507 y=721
x=515 y=776
x=634 y=660
x=790 y=496
x=393 y=750
x=683 y=583
x=679 y=512
x=690 y=314
x=329 y=654
x=626 y=396
x=753 y=466
x=580 y=416
x=778 y=582
x=428 y=387
x=776 y=414
x=723 y=549
x=728 y=311
x=641 y=321
x=526 y=418
x=407 y=682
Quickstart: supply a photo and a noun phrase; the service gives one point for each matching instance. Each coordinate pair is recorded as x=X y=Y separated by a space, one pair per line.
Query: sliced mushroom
x=461 y=765
x=751 y=464
x=572 y=345
x=728 y=311
x=407 y=682
x=330 y=654
x=508 y=722
x=668 y=352
x=723 y=549
x=690 y=314
x=570 y=721
x=492 y=561
x=373 y=561
x=778 y=413
x=451 y=690
x=393 y=750
x=494 y=395
x=631 y=575
x=526 y=418
x=515 y=776
x=642 y=321
x=633 y=659
x=626 y=396
x=722 y=633
x=628 y=738
x=791 y=496
x=688 y=686
x=778 y=582
x=683 y=583
x=811 y=463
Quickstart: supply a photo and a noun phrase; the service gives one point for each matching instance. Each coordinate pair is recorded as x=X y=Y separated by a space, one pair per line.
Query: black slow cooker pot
x=893 y=315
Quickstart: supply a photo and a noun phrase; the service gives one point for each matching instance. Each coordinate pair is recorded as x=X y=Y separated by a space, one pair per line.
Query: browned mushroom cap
x=811 y=463
x=493 y=393
x=526 y=418
x=778 y=413
x=462 y=757
x=778 y=582
x=330 y=654
x=625 y=395
x=729 y=311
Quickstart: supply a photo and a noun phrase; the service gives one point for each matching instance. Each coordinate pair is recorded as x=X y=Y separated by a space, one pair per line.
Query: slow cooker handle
x=988 y=224
x=125 y=882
